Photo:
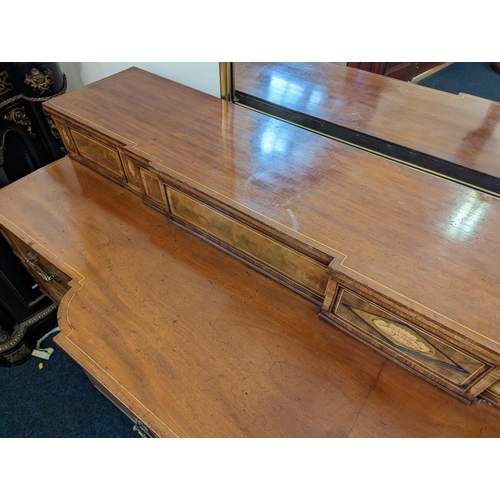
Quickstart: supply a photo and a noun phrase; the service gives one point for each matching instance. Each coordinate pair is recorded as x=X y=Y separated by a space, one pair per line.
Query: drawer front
x=422 y=350
x=51 y=280
x=286 y=261
x=101 y=154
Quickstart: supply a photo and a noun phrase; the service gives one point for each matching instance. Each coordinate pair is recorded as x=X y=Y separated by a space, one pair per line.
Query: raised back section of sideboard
x=404 y=261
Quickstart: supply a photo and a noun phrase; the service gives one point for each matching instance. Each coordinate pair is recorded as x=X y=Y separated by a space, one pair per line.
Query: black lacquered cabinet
x=28 y=140
x=28 y=137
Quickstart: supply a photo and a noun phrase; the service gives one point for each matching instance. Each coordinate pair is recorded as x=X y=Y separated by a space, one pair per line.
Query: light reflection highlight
x=281 y=90
x=273 y=142
x=466 y=219
x=315 y=99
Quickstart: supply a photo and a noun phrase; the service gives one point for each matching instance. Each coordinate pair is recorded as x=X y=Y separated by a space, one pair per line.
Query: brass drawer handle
x=140 y=428
x=34 y=263
x=48 y=277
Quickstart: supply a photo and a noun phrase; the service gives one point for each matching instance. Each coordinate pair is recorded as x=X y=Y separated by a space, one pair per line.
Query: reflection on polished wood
x=191 y=342
x=461 y=129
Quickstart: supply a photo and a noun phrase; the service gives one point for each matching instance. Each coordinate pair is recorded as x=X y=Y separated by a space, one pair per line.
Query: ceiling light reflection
x=281 y=90
x=273 y=142
x=465 y=220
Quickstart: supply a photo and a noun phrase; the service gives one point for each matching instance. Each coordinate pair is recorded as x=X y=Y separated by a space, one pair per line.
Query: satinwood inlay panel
x=99 y=153
x=257 y=245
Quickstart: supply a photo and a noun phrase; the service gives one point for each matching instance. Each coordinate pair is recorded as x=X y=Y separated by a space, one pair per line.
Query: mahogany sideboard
x=190 y=341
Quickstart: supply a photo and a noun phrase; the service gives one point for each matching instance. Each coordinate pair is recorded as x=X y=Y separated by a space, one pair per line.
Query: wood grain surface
x=426 y=242
x=462 y=129
x=190 y=339
x=193 y=342
x=401 y=405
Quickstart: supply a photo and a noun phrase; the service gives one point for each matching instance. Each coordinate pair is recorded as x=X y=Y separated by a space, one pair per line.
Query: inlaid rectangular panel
x=405 y=341
x=99 y=153
x=153 y=188
x=264 y=249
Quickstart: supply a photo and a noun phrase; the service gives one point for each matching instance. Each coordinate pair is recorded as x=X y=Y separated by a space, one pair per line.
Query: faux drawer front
x=153 y=191
x=97 y=152
x=414 y=346
x=286 y=261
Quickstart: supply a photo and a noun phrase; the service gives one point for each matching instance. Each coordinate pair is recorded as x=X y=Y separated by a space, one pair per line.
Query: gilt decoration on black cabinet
x=28 y=137
x=28 y=140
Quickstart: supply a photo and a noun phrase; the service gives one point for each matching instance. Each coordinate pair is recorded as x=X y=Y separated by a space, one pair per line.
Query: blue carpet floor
x=59 y=401
x=476 y=78
x=56 y=401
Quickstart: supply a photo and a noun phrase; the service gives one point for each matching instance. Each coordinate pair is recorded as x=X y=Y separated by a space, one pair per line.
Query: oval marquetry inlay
x=402 y=335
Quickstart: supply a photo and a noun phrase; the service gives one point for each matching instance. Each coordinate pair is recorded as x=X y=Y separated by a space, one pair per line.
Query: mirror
x=445 y=120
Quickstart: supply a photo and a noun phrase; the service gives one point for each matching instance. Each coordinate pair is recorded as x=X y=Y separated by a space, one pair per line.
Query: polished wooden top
x=462 y=129
x=424 y=241
x=197 y=344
